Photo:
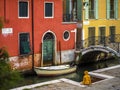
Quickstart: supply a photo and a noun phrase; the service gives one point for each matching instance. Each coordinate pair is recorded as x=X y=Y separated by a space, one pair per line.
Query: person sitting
x=86 y=78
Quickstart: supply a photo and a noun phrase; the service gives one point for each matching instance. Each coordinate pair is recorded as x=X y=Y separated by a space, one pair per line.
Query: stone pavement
x=111 y=82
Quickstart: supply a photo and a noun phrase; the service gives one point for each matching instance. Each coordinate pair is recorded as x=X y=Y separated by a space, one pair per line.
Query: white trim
x=68 y=37
x=75 y=31
x=28 y=8
x=49 y=82
x=105 y=69
x=49 y=32
x=52 y=9
x=83 y=34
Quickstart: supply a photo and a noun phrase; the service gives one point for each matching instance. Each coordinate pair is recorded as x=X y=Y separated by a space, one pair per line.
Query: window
x=102 y=35
x=23 y=9
x=24 y=43
x=72 y=10
x=91 y=35
x=91 y=10
x=112 y=33
x=49 y=10
x=66 y=35
x=112 y=9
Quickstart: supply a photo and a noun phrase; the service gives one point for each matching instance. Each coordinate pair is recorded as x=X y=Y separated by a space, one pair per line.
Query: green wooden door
x=48 y=52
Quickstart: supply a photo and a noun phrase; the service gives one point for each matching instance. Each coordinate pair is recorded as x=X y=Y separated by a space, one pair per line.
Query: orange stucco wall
x=41 y=25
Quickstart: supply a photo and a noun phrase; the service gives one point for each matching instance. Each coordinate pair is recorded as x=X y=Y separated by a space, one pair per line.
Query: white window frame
x=18 y=8
x=68 y=37
x=52 y=10
x=116 y=6
x=19 y=40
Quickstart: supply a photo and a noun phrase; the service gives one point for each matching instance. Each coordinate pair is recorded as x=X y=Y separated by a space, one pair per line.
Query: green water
x=76 y=76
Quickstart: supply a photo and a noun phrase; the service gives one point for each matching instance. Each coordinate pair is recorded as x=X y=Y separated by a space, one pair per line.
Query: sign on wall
x=7 y=31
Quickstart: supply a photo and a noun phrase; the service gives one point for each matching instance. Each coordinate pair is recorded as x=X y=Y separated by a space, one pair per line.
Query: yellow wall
x=102 y=20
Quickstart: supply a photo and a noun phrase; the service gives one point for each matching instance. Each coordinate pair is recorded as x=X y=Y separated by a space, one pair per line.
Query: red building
x=38 y=32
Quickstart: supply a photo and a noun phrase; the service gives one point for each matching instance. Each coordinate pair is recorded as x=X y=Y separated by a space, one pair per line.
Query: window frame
x=52 y=10
x=91 y=9
x=72 y=11
x=67 y=37
x=115 y=9
x=27 y=10
x=95 y=9
x=102 y=34
x=111 y=34
x=91 y=35
x=28 y=41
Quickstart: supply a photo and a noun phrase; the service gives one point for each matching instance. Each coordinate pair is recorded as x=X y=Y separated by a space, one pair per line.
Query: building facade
x=45 y=32
x=38 y=32
x=101 y=18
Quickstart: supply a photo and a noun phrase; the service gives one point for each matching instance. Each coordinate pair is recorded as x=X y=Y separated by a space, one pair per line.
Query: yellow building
x=100 y=18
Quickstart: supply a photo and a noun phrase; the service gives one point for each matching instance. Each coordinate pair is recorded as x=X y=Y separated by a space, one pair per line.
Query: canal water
x=76 y=76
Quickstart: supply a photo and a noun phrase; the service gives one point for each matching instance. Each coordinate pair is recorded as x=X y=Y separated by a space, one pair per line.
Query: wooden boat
x=54 y=70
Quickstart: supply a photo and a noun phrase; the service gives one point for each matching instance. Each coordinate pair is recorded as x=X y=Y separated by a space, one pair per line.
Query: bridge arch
x=96 y=53
x=99 y=48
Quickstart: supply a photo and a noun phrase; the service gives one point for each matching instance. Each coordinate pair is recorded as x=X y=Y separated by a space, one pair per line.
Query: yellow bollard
x=86 y=78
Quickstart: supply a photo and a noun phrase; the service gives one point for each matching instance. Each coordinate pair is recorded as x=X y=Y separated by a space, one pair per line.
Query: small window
x=23 y=9
x=24 y=43
x=48 y=10
x=66 y=35
x=112 y=33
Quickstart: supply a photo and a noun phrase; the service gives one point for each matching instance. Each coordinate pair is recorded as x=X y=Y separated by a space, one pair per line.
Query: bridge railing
x=112 y=41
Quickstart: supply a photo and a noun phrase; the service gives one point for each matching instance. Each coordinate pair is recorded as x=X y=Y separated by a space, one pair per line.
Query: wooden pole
x=41 y=54
x=60 y=52
x=5 y=10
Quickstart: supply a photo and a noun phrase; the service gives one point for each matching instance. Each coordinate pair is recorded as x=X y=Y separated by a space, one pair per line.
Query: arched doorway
x=48 y=49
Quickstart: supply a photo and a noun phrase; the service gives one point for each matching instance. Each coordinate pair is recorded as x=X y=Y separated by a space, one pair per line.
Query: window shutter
x=108 y=9
x=116 y=8
x=87 y=10
x=79 y=9
x=67 y=6
x=96 y=9
x=26 y=47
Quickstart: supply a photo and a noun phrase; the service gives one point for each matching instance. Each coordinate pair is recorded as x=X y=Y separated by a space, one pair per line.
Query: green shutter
x=87 y=10
x=108 y=8
x=96 y=9
x=79 y=9
x=67 y=6
x=116 y=8
x=25 y=47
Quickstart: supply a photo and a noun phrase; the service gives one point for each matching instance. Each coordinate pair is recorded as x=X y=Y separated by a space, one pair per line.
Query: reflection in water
x=76 y=76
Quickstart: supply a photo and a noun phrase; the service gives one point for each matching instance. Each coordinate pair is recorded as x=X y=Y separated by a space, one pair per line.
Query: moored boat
x=54 y=70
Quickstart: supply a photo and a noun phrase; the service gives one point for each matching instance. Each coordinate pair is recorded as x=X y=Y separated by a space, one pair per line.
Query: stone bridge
x=99 y=48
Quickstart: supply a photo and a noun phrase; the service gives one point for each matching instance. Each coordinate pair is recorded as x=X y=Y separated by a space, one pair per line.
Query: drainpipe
x=4 y=10
x=79 y=35
x=32 y=11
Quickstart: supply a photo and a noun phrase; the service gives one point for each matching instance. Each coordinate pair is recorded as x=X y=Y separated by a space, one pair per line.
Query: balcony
x=69 y=17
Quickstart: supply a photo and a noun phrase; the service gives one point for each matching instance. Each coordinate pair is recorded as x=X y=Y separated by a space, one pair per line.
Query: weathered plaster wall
x=25 y=62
